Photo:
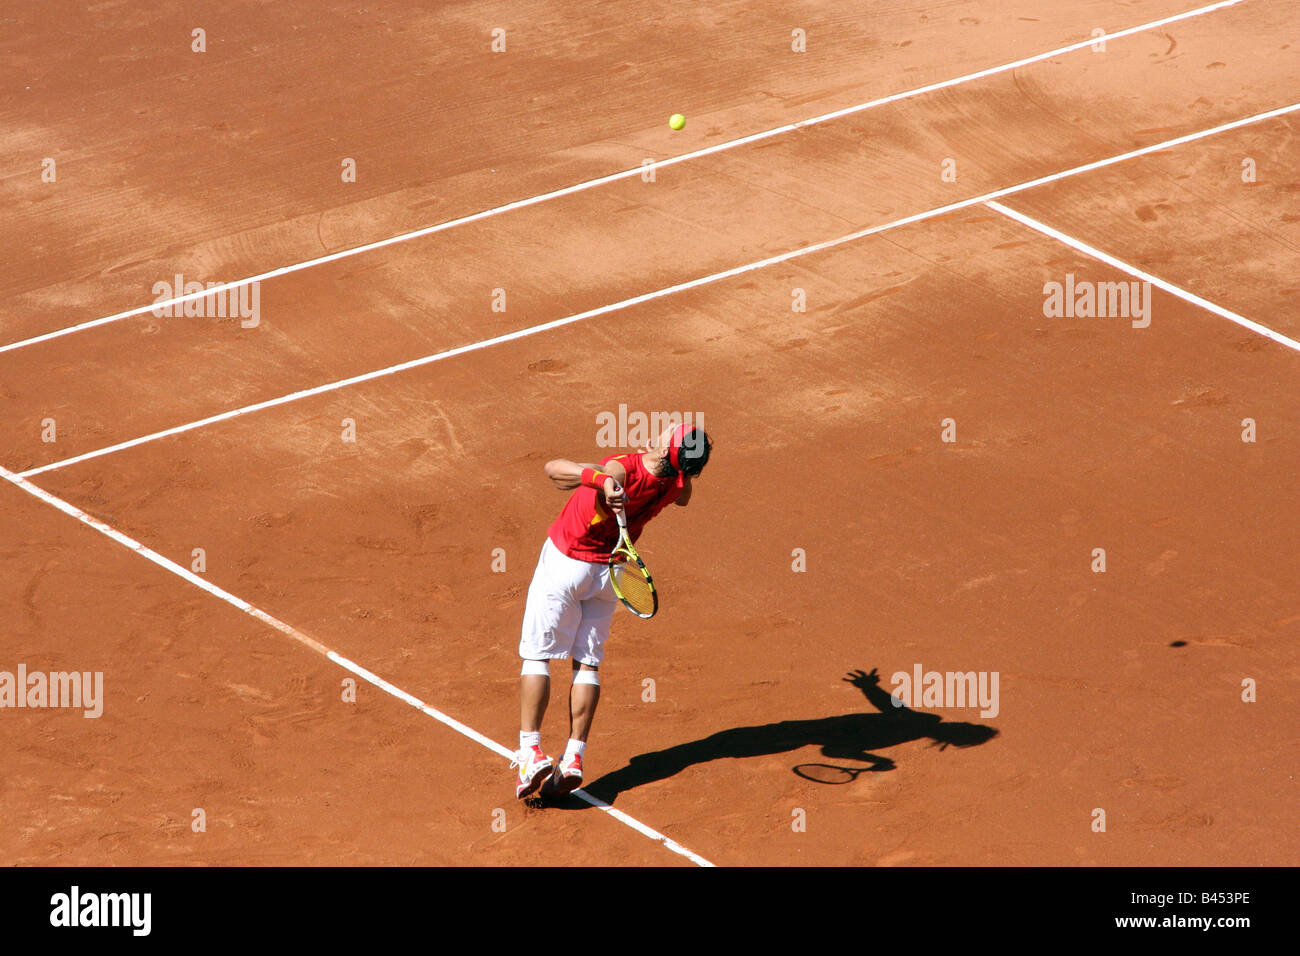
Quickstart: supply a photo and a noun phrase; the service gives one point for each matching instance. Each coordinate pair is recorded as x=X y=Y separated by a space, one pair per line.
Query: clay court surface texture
x=921 y=171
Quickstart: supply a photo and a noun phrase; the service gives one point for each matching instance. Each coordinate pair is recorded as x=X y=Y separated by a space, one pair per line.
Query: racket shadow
x=835 y=774
x=852 y=737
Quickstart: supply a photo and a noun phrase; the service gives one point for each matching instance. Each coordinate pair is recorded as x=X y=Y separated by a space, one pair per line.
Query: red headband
x=675 y=442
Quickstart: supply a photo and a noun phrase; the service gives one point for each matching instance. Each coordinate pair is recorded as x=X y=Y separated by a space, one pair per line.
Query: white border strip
x=1144 y=276
x=660 y=293
x=315 y=645
x=625 y=174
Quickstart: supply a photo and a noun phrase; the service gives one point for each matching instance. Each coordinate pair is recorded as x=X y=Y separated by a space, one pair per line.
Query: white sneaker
x=567 y=775
x=534 y=770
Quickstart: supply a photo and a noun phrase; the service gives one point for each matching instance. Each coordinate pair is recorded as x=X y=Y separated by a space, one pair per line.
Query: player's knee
x=540 y=668
x=591 y=677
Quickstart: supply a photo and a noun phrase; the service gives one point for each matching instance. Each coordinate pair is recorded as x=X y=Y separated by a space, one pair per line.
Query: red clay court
x=471 y=232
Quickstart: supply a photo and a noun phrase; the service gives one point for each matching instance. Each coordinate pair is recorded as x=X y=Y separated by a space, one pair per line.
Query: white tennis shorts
x=570 y=606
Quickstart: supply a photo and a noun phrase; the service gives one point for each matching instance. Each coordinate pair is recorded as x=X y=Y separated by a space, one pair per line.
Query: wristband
x=594 y=479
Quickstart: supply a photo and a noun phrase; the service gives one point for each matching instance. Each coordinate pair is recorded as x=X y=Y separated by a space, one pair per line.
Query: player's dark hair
x=694 y=452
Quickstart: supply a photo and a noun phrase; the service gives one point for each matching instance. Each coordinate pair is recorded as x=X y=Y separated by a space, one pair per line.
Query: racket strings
x=631 y=584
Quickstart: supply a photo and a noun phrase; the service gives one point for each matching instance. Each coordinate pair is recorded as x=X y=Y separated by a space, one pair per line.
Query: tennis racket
x=628 y=574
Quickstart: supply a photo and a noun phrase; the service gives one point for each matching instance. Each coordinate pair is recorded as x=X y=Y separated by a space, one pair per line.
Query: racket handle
x=618 y=512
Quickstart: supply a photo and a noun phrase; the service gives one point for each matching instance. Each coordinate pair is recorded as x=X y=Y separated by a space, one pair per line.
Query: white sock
x=527 y=740
x=575 y=747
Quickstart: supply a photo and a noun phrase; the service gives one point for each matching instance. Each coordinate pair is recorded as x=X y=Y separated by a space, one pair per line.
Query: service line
x=1132 y=270
x=625 y=174
x=670 y=290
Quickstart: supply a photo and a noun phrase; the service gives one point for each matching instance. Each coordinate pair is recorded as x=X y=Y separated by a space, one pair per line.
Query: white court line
x=1144 y=276
x=625 y=174
x=660 y=293
x=315 y=645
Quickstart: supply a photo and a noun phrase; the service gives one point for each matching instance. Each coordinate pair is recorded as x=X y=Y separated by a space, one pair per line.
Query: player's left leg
x=535 y=767
x=551 y=620
x=534 y=693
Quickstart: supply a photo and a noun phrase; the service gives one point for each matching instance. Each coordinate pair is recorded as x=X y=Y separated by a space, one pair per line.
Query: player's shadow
x=845 y=737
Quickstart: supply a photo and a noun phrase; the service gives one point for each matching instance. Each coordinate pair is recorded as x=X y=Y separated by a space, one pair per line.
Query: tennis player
x=571 y=600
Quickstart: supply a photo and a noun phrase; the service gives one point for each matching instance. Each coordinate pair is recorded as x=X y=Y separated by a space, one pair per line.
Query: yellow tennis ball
x=677 y=121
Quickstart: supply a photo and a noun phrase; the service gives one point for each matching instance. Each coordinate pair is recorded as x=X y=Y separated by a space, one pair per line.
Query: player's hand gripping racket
x=628 y=574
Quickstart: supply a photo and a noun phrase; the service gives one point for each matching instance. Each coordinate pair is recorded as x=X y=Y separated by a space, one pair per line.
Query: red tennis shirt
x=586 y=530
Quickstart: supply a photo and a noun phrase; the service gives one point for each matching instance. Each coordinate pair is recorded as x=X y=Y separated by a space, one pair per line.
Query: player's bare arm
x=567 y=475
